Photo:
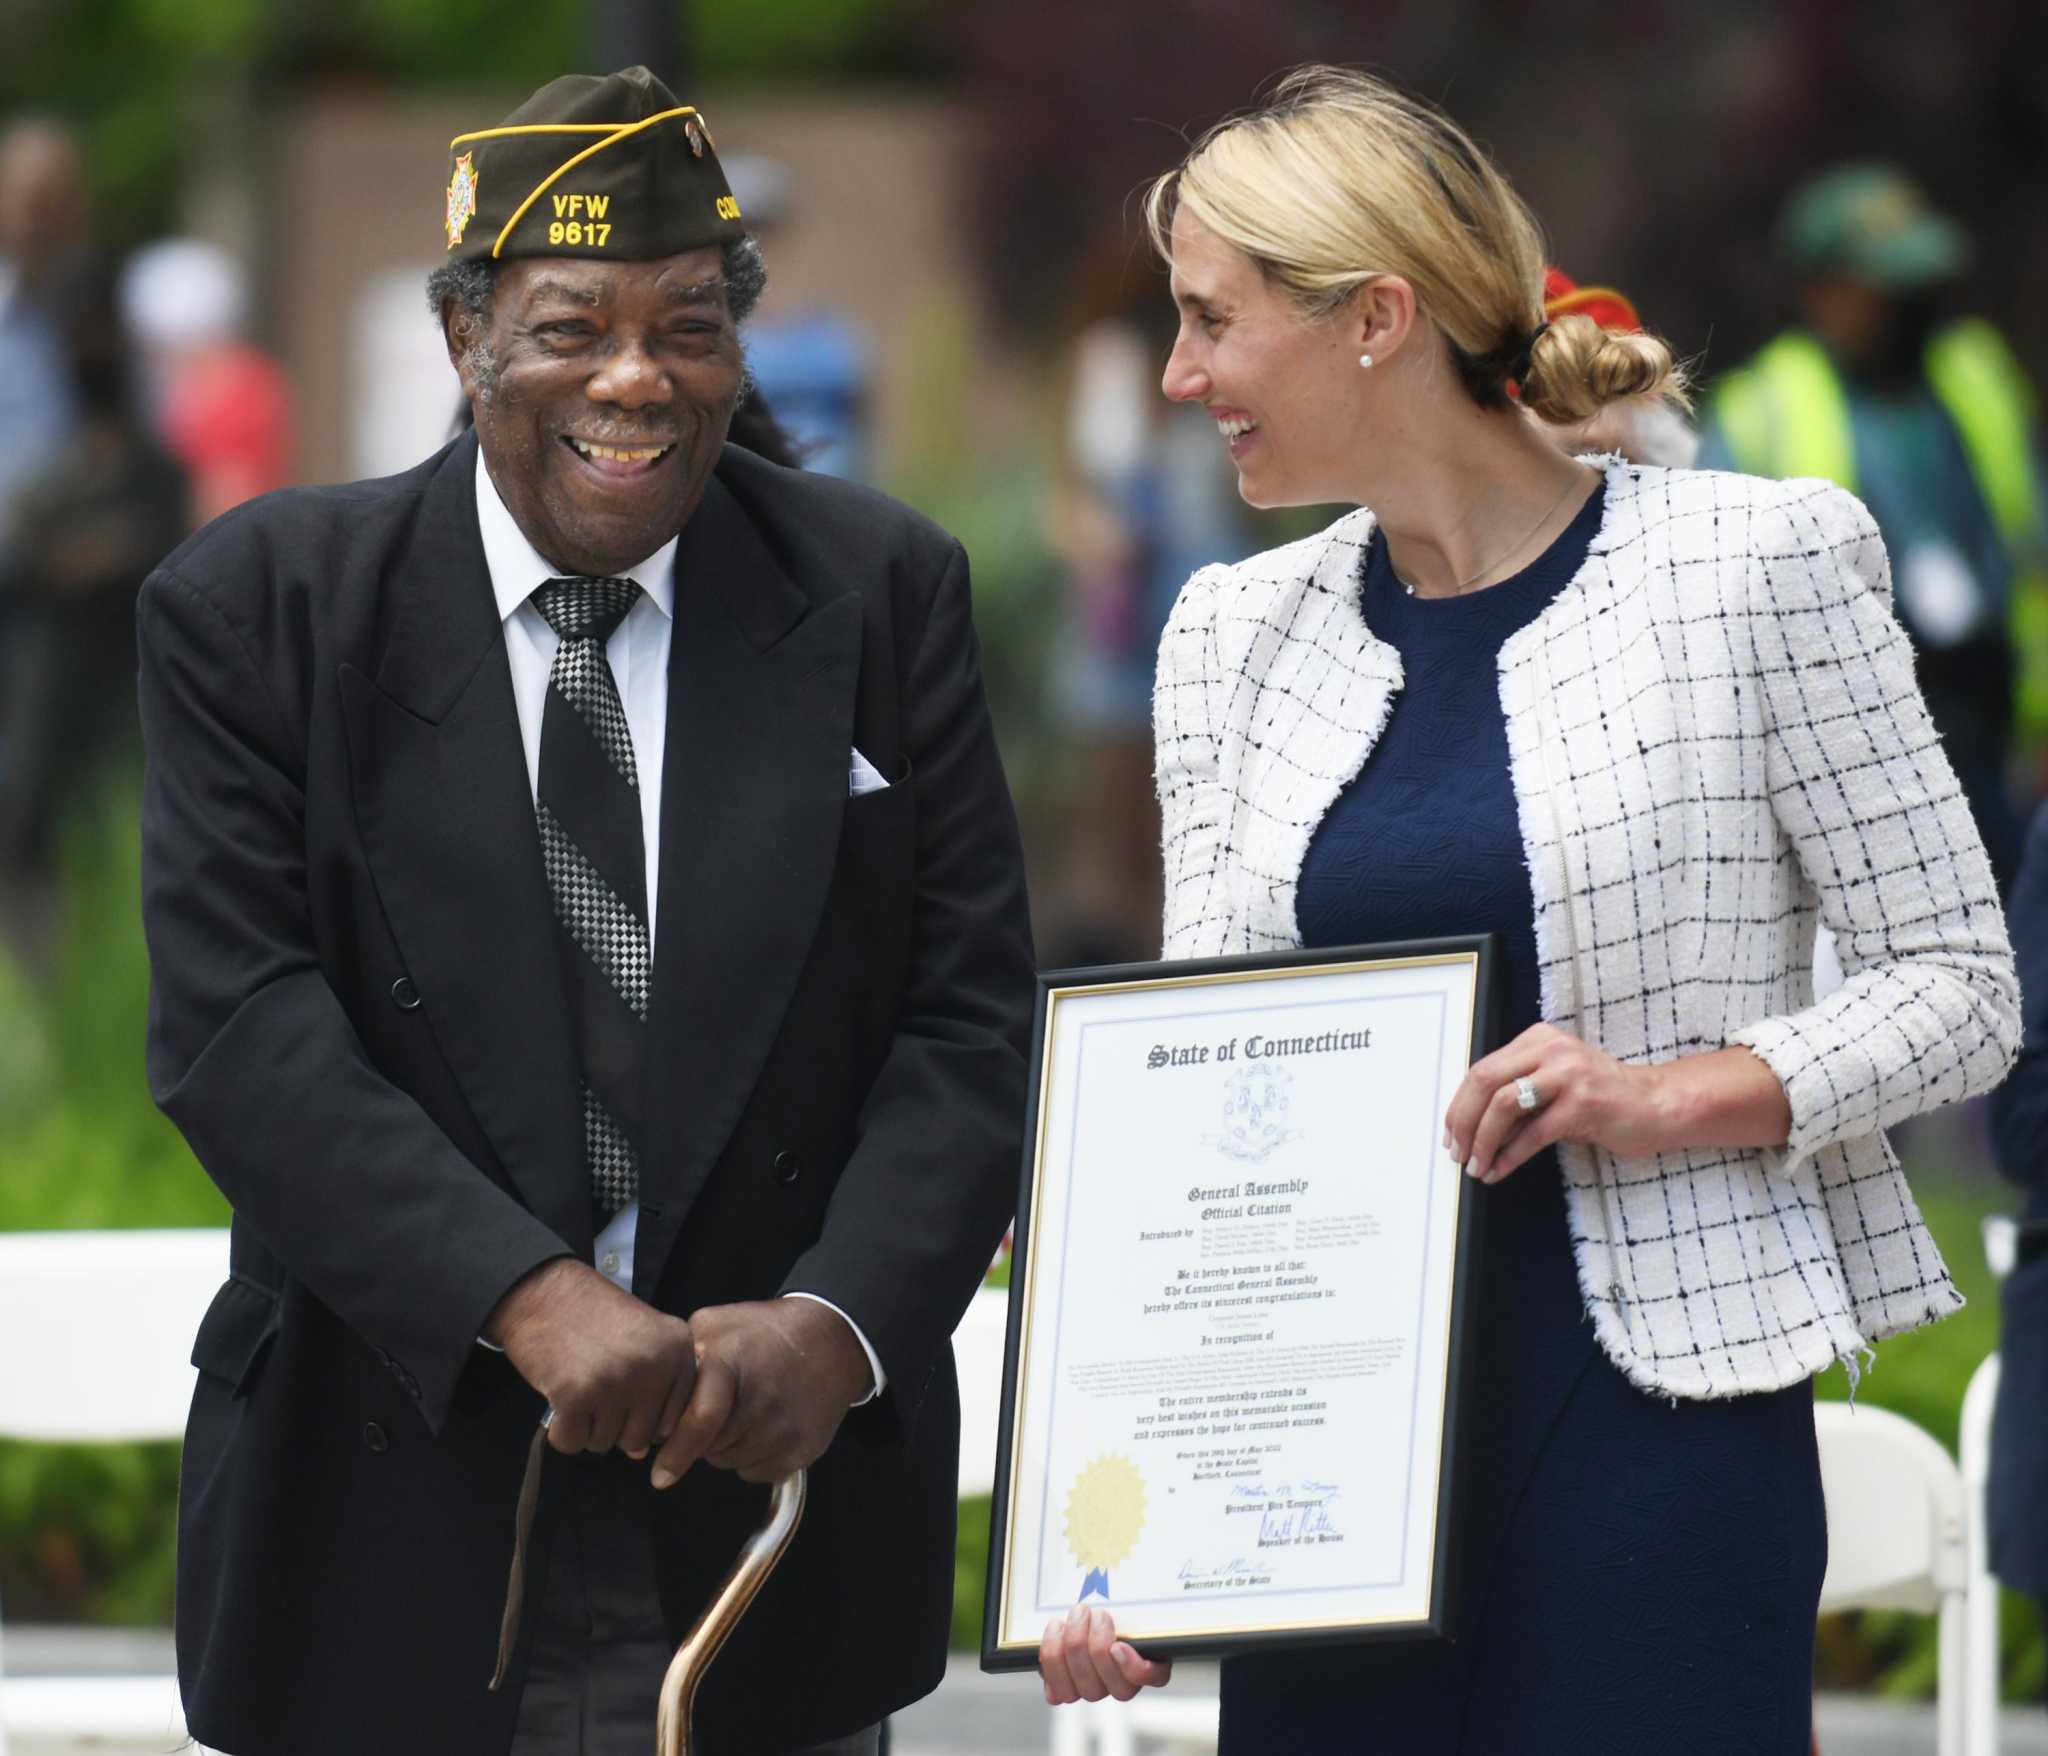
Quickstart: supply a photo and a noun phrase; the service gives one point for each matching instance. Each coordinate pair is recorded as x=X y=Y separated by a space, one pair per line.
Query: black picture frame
x=1439 y=1623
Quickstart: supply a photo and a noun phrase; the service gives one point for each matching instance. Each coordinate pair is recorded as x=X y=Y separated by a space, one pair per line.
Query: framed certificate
x=1240 y=1302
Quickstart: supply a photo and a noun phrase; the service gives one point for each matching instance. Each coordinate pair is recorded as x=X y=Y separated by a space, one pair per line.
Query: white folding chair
x=978 y=1359
x=1980 y=1716
x=95 y=1342
x=1899 y=1538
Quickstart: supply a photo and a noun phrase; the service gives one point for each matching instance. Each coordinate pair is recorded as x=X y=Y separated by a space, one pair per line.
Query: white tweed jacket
x=1715 y=740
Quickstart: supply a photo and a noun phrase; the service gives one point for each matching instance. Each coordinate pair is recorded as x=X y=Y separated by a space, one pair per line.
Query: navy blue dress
x=2019 y=1130
x=1636 y=1574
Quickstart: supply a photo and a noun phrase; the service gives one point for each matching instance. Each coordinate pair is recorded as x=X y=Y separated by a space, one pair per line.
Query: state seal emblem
x=1105 y=1514
x=461 y=199
x=1256 y=1100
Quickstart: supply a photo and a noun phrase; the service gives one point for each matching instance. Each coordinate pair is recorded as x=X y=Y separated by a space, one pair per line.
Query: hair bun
x=1576 y=368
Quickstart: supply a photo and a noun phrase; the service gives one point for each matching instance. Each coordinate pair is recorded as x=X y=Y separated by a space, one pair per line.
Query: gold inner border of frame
x=1006 y=1640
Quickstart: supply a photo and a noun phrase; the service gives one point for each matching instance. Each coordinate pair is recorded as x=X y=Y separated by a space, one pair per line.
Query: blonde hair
x=1337 y=178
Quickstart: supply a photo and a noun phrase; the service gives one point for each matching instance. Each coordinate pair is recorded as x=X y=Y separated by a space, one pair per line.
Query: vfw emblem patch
x=461 y=199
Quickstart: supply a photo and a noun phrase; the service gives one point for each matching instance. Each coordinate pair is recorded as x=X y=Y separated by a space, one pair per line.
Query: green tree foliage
x=145 y=79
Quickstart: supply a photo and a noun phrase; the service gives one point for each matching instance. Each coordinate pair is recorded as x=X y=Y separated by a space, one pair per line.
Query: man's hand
x=615 y=1371
x=774 y=1380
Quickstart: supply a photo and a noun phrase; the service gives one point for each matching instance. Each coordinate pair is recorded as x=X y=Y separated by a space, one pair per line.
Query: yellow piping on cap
x=566 y=127
x=575 y=159
x=1565 y=304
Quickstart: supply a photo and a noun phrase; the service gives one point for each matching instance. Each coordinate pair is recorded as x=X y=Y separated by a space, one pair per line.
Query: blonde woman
x=1648 y=726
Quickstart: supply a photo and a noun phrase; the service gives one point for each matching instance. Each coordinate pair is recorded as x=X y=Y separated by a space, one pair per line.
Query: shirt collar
x=518 y=569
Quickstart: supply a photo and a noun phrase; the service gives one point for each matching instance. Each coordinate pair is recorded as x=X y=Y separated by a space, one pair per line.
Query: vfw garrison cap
x=609 y=167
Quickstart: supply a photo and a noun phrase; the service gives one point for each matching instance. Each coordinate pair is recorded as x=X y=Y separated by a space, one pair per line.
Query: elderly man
x=587 y=923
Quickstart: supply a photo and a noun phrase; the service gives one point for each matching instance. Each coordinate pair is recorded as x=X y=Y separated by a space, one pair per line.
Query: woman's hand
x=1081 y=1659
x=1725 y=1097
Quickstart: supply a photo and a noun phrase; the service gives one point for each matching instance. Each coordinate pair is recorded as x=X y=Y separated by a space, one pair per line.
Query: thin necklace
x=1505 y=553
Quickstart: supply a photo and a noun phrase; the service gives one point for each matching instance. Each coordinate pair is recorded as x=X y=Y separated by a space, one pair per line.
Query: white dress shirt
x=638 y=655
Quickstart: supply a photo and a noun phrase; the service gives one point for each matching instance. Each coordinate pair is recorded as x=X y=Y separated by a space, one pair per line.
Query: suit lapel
x=446 y=814
x=760 y=727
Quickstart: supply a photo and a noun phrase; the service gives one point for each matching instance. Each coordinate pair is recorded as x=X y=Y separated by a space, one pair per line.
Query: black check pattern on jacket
x=1717 y=744
x=588 y=810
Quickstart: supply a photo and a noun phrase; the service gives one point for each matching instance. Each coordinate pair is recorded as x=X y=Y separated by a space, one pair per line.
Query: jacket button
x=404 y=995
x=375 y=1437
x=788 y=1167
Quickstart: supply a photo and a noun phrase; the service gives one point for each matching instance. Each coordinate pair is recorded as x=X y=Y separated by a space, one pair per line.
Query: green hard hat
x=1873 y=223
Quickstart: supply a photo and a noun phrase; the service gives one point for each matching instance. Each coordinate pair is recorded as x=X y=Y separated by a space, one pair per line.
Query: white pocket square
x=863 y=777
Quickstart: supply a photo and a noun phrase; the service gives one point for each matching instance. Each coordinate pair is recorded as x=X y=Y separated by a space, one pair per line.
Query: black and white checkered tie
x=589 y=811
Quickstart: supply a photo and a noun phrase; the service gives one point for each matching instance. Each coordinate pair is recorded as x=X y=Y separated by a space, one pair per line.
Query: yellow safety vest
x=1787 y=414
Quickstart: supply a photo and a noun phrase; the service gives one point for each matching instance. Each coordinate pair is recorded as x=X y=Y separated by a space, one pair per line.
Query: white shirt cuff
x=874 y=1360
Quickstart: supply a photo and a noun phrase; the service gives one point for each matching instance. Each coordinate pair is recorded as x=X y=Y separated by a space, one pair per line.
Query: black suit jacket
x=357 y=1021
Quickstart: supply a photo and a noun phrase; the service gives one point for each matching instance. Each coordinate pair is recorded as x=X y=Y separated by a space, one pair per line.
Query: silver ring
x=1526 y=1096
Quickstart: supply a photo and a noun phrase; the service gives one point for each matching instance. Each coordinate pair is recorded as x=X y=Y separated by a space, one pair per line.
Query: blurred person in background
x=1927 y=417
x=2018 y=1491
x=1644 y=429
x=44 y=249
x=220 y=404
x=44 y=252
x=1527 y=696
x=101 y=507
x=589 y=948
x=809 y=377
x=1141 y=500
x=755 y=426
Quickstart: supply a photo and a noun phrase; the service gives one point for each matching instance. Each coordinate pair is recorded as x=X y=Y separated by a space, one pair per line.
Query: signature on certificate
x=1300 y=1515
x=1236 y=1568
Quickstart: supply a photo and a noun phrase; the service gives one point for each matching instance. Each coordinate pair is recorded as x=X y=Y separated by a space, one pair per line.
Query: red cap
x=1564 y=297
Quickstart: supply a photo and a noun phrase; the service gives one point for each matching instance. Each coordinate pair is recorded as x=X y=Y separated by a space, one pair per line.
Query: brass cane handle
x=700 y=1646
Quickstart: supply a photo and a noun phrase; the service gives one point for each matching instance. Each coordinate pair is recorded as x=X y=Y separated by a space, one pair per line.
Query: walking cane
x=700 y=1646
x=728 y=1604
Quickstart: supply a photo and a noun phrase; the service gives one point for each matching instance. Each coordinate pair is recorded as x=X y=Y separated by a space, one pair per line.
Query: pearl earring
x=1365 y=360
